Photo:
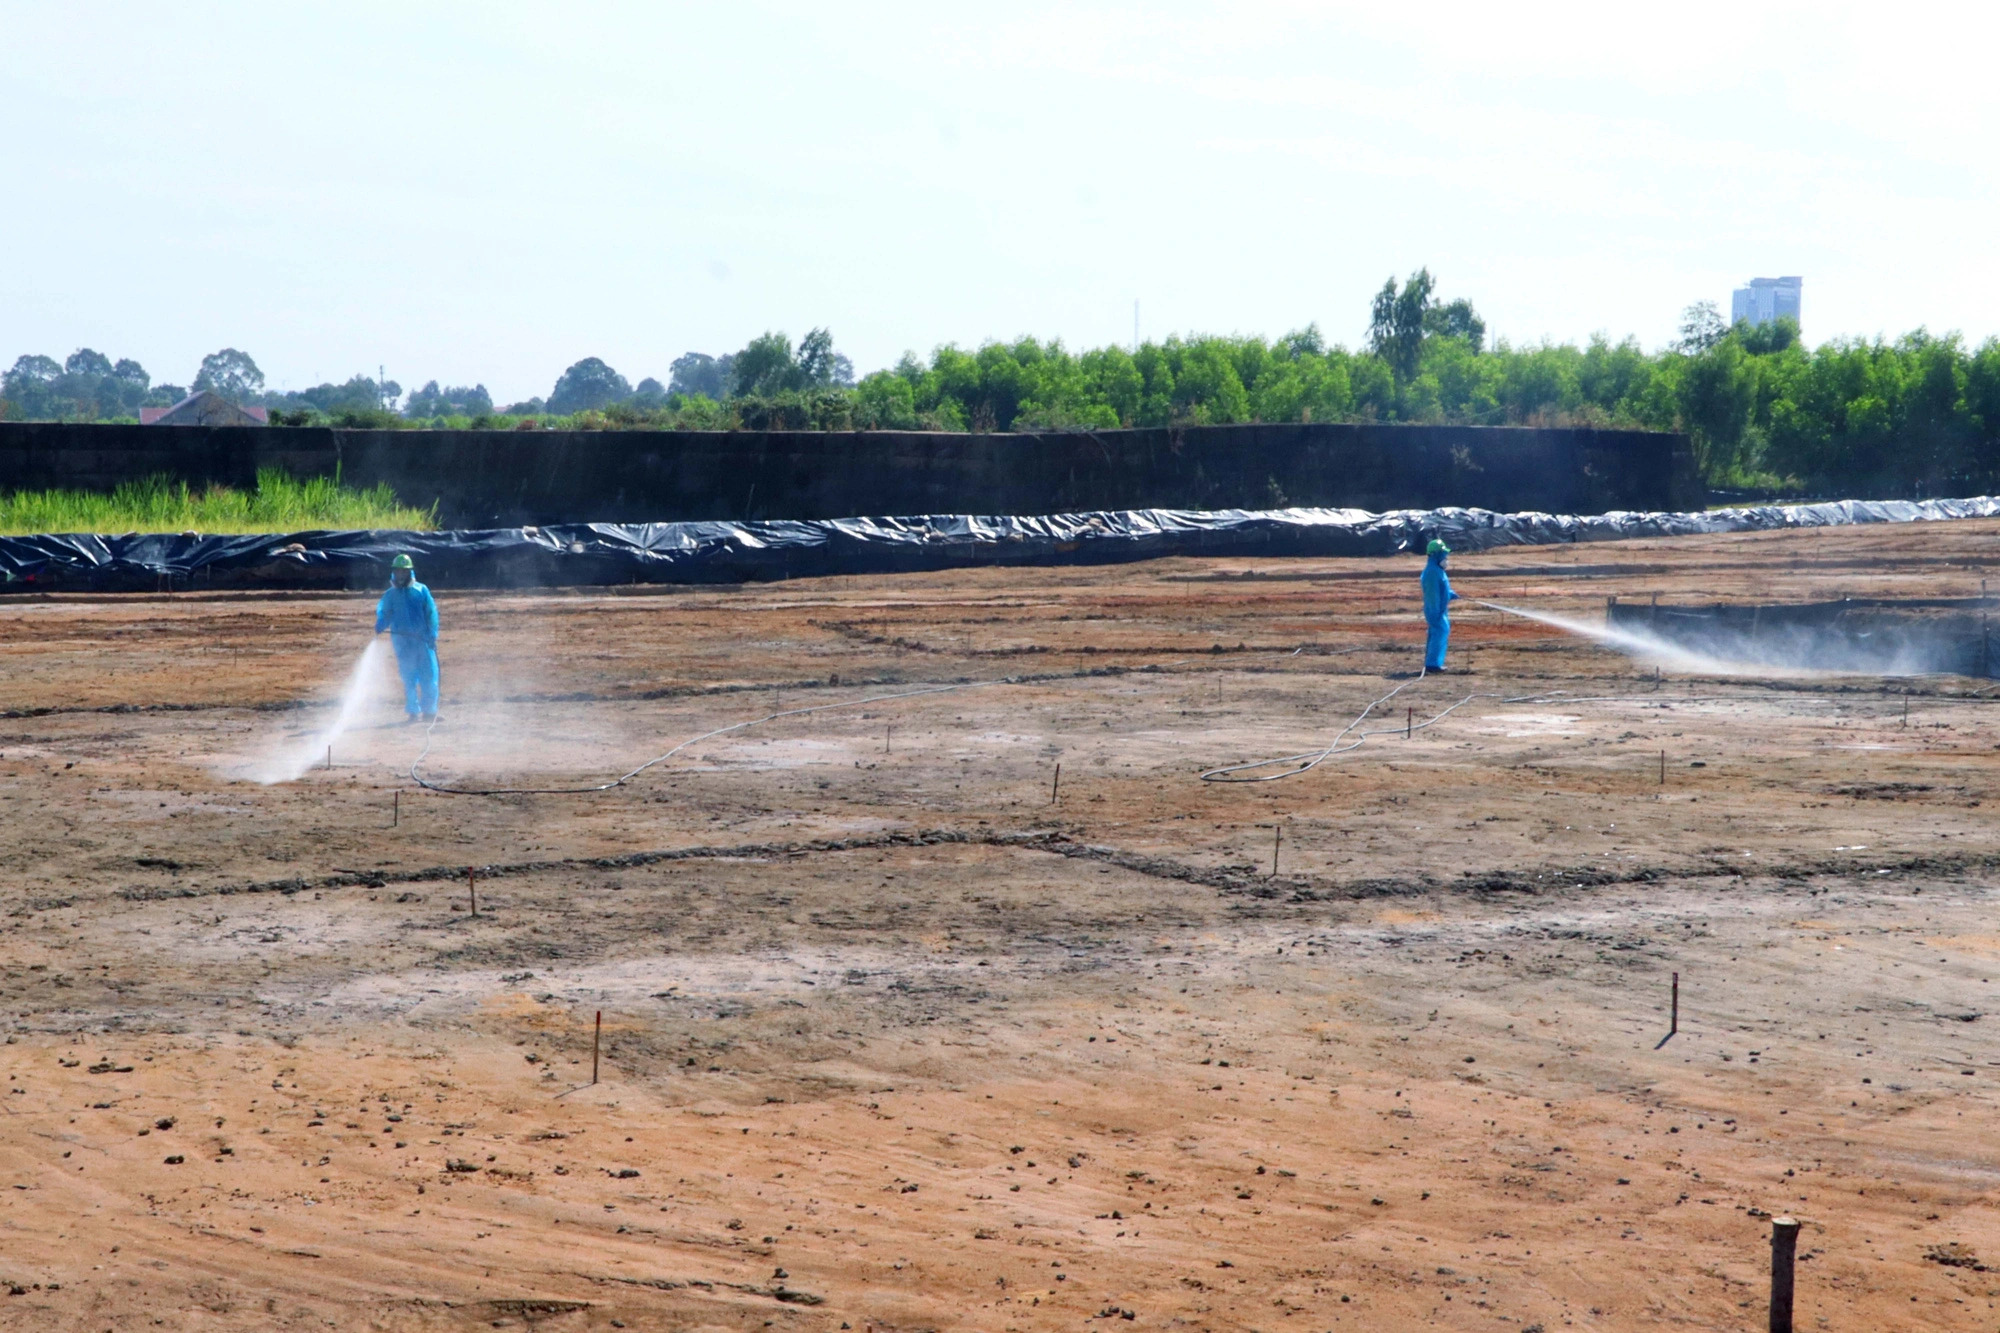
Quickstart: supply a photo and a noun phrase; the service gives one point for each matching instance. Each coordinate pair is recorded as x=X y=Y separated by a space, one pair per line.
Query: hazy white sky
x=488 y=192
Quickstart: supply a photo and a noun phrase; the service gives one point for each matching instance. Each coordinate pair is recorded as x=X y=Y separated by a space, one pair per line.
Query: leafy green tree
x=886 y=400
x=98 y=389
x=1539 y=384
x=820 y=365
x=1374 y=388
x=697 y=412
x=1329 y=387
x=357 y=403
x=1982 y=403
x=765 y=367
x=1702 y=327
x=1768 y=339
x=1717 y=391
x=1059 y=392
x=431 y=402
x=29 y=387
x=1420 y=398
x=1937 y=435
x=135 y=389
x=698 y=373
x=1613 y=379
x=1002 y=380
x=85 y=363
x=1253 y=358
x=1456 y=319
x=1467 y=383
x=1916 y=416
x=1396 y=322
x=1302 y=343
x=1807 y=423
x=1207 y=389
x=231 y=374
x=86 y=386
x=1156 y=374
x=954 y=384
x=588 y=385
x=1113 y=379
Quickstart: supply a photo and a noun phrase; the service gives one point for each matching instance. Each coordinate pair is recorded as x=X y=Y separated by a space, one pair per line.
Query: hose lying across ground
x=1311 y=759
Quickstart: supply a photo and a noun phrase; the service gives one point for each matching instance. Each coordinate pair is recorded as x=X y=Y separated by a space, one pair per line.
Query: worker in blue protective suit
x=1438 y=598
x=408 y=614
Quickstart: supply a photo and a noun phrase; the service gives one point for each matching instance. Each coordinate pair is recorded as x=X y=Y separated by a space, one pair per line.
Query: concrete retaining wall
x=493 y=478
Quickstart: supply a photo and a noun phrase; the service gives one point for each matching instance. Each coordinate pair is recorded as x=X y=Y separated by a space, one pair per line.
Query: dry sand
x=891 y=1041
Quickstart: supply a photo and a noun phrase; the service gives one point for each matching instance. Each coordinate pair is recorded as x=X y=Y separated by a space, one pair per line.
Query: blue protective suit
x=1438 y=598
x=410 y=615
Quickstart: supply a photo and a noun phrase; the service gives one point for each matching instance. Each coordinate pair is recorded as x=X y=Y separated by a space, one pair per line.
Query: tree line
x=1916 y=415
x=89 y=387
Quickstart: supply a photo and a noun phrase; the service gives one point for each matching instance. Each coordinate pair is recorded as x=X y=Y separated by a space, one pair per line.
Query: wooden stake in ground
x=1409 y=717
x=329 y=758
x=472 y=888
x=1663 y=768
x=1055 y=788
x=1784 y=1249
x=596 y=1040
x=396 y=809
x=1277 y=841
x=1674 y=1021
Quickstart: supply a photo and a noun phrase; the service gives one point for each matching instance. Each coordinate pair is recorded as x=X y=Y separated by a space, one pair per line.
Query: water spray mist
x=362 y=681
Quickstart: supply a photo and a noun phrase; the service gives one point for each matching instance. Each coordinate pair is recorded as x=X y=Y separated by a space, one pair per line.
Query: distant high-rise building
x=1766 y=299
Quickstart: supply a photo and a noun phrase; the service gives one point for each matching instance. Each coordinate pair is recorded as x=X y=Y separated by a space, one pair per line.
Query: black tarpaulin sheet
x=726 y=552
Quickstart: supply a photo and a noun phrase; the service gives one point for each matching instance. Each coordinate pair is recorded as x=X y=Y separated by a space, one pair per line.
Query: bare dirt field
x=897 y=1035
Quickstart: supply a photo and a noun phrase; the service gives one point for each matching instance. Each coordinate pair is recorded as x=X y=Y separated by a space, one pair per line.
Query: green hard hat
x=402 y=562
x=1437 y=548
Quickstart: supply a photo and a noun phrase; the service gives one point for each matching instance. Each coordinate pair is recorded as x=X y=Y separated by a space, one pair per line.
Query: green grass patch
x=280 y=503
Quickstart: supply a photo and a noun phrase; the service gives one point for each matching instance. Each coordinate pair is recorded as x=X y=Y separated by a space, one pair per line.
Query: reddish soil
x=893 y=1041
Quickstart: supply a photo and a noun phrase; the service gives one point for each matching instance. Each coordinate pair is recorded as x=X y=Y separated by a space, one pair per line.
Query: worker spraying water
x=1438 y=598
x=408 y=614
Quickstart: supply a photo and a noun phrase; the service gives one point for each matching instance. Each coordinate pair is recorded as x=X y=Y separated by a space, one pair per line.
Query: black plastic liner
x=723 y=552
